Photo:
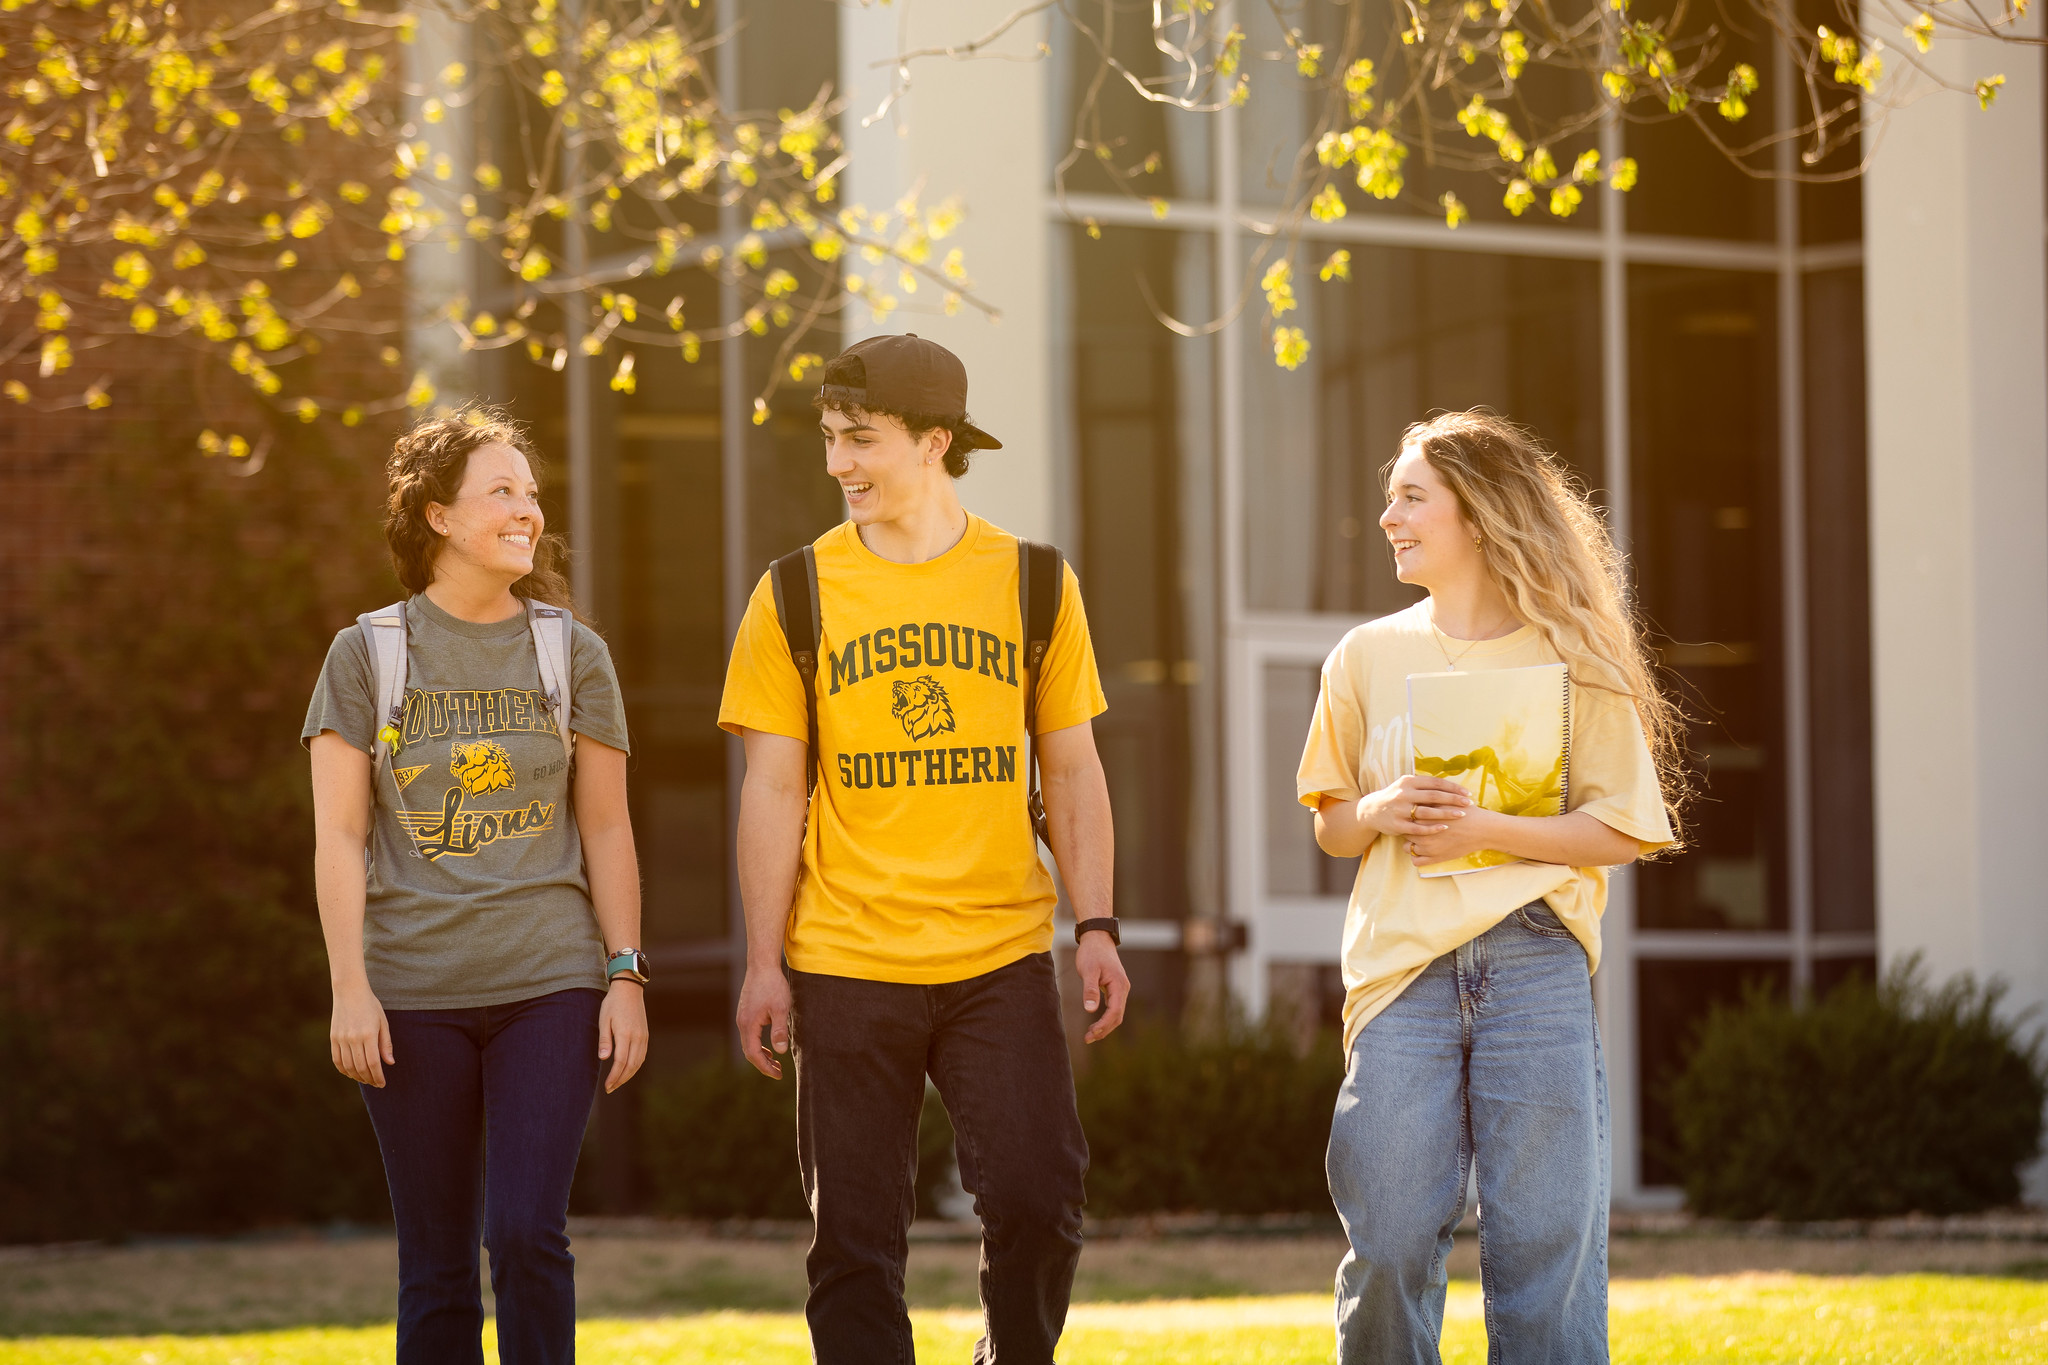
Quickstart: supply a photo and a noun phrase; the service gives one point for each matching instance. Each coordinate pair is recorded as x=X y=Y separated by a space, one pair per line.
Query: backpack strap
x=1041 y=578
x=384 y=635
x=553 y=629
x=794 y=578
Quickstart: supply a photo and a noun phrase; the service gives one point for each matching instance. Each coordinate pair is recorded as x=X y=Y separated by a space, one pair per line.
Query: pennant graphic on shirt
x=404 y=776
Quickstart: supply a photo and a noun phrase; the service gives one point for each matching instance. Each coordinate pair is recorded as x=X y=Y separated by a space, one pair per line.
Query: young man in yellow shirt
x=906 y=896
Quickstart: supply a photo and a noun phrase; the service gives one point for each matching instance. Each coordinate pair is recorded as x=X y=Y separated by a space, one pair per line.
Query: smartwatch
x=1107 y=925
x=630 y=963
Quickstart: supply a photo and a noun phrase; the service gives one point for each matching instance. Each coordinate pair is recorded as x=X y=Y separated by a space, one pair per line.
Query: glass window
x=1838 y=606
x=1411 y=332
x=1295 y=865
x=1703 y=387
x=1691 y=187
x=1141 y=398
x=1092 y=104
x=1279 y=122
x=1831 y=210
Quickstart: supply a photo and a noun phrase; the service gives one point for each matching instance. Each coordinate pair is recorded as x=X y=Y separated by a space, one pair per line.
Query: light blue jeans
x=1491 y=1056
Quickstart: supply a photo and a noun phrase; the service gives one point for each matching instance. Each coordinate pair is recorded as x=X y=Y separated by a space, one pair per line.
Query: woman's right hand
x=359 y=1039
x=1414 y=805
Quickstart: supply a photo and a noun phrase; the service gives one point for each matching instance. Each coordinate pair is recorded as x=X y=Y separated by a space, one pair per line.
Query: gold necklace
x=1443 y=649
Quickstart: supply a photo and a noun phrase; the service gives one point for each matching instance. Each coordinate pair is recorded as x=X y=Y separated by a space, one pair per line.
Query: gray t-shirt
x=476 y=893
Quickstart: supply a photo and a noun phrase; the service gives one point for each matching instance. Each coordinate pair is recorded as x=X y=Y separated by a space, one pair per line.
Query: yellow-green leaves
x=1850 y=68
x=1987 y=90
x=1336 y=267
x=1327 y=206
x=1290 y=347
x=1514 y=53
x=1623 y=176
x=1358 y=83
x=1921 y=31
x=1455 y=212
x=1742 y=82
x=1520 y=194
x=1278 y=283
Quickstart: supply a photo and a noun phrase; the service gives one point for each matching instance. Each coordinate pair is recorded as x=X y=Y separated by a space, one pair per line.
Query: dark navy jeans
x=480 y=1120
x=993 y=1046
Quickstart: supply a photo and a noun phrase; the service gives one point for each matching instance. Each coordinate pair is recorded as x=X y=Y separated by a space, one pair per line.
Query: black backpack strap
x=1041 y=578
x=795 y=580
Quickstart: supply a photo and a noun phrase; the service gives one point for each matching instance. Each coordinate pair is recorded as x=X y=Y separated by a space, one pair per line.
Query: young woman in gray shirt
x=478 y=890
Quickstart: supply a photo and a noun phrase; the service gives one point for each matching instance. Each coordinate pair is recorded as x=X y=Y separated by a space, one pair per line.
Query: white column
x=973 y=129
x=1958 y=405
x=439 y=275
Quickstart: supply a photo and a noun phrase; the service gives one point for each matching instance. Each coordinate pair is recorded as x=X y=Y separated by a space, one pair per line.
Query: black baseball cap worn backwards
x=909 y=374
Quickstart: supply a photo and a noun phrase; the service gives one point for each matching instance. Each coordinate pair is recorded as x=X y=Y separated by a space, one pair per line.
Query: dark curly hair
x=851 y=372
x=427 y=465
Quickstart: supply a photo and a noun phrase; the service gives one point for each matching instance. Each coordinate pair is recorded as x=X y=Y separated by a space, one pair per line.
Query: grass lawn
x=1771 y=1316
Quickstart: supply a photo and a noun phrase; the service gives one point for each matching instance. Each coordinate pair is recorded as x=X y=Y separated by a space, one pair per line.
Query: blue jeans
x=480 y=1120
x=1491 y=1056
x=994 y=1048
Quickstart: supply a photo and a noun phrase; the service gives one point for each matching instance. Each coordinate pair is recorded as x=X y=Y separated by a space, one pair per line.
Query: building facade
x=1814 y=414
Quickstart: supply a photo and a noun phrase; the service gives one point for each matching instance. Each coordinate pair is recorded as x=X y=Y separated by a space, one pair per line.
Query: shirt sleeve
x=1336 y=736
x=1069 y=686
x=763 y=690
x=345 y=697
x=597 y=707
x=1613 y=778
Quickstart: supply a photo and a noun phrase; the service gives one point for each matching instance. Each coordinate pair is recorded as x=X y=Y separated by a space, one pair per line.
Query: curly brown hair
x=427 y=465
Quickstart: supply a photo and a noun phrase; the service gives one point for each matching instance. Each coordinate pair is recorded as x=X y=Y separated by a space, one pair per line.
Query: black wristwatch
x=1107 y=925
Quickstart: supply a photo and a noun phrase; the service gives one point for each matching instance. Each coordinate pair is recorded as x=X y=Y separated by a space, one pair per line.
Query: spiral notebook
x=1503 y=734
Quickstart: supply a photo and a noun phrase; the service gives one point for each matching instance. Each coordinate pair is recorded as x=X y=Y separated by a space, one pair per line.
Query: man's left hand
x=1105 y=986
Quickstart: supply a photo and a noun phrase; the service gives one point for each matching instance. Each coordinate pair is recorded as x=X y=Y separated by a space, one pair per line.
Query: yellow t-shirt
x=1399 y=922
x=919 y=862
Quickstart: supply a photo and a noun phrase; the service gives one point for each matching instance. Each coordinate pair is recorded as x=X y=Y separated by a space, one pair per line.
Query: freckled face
x=495 y=520
x=1431 y=539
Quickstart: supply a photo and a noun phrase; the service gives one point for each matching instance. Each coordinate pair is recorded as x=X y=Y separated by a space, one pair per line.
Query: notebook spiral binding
x=1564 y=782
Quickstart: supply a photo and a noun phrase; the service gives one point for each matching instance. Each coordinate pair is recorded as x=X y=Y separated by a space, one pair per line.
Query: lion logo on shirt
x=482 y=766
x=923 y=707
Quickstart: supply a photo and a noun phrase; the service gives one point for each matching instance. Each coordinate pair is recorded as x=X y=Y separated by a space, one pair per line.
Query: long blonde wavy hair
x=1548 y=551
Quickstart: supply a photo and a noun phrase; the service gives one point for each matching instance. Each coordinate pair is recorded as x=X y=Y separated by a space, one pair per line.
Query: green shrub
x=719 y=1141
x=1879 y=1100
x=1238 y=1124
x=163 y=987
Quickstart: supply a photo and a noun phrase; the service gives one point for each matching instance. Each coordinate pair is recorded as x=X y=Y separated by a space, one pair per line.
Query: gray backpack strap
x=384 y=635
x=552 y=634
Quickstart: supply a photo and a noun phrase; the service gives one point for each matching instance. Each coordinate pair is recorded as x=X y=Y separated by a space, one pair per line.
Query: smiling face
x=1433 y=543
x=495 y=520
x=883 y=471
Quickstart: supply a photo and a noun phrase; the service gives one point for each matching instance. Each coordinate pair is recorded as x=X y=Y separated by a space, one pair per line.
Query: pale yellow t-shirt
x=919 y=863
x=1398 y=922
